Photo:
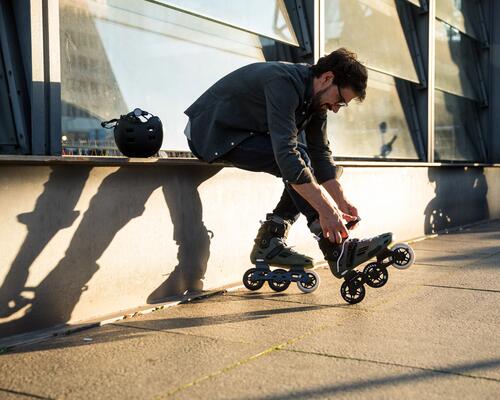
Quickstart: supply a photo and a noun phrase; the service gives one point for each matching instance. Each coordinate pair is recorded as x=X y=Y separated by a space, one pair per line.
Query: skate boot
x=345 y=257
x=269 y=250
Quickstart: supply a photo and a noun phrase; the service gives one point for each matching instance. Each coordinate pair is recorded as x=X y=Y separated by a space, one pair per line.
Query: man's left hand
x=348 y=208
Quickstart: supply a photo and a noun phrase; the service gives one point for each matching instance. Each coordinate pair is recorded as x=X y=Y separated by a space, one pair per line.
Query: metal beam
x=319 y=29
x=431 y=79
x=494 y=117
x=53 y=75
x=13 y=77
x=39 y=123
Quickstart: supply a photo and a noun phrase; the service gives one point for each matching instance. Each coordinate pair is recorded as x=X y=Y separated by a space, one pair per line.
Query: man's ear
x=327 y=76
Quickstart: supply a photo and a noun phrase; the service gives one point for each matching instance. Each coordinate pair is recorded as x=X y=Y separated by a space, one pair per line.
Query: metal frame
x=494 y=84
x=414 y=42
x=53 y=75
x=45 y=77
x=431 y=75
x=304 y=31
x=13 y=84
x=319 y=29
x=38 y=102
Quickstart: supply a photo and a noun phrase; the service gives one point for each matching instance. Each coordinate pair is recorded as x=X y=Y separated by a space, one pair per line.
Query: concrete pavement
x=431 y=332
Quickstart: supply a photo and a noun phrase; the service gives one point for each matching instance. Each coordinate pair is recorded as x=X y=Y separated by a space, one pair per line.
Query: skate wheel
x=352 y=291
x=277 y=284
x=250 y=281
x=311 y=284
x=375 y=276
x=403 y=256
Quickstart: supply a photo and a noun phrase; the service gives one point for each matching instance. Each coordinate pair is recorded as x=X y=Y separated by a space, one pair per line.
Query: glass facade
x=160 y=55
x=462 y=14
x=456 y=63
x=374 y=29
x=167 y=60
x=377 y=128
x=459 y=85
x=267 y=18
x=457 y=132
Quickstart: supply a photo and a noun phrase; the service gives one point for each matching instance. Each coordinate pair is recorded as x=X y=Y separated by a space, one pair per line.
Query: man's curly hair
x=348 y=71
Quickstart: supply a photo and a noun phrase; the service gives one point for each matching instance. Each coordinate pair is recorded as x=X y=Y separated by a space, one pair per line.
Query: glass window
x=373 y=29
x=265 y=17
x=140 y=54
x=456 y=130
x=456 y=63
x=375 y=128
x=461 y=14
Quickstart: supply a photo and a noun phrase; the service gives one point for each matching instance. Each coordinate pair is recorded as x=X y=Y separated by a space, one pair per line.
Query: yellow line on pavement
x=237 y=364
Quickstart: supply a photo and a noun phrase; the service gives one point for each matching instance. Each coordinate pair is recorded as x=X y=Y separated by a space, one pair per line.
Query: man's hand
x=347 y=208
x=331 y=218
x=333 y=225
x=334 y=189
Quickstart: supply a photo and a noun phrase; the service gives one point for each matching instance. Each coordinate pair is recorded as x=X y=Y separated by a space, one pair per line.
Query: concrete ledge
x=121 y=161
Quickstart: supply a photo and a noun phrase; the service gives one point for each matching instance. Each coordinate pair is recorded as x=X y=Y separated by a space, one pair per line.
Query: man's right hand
x=331 y=218
x=333 y=227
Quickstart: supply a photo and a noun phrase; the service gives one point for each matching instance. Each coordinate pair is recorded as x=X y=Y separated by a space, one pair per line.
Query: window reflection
x=457 y=134
x=266 y=17
x=139 y=54
x=461 y=14
x=376 y=128
x=456 y=70
x=374 y=30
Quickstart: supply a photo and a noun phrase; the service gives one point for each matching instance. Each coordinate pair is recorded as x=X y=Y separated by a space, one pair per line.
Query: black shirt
x=264 y=98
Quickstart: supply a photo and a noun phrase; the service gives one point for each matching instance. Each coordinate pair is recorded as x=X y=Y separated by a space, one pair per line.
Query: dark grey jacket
x=264 y=98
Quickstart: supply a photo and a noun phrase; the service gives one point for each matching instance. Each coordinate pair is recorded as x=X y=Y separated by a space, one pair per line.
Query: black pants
x=256 y=154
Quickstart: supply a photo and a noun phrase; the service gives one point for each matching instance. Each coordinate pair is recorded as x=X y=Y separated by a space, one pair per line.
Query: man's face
x=329 y=96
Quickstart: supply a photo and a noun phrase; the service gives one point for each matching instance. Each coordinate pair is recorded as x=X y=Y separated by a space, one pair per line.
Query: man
x=271 y=117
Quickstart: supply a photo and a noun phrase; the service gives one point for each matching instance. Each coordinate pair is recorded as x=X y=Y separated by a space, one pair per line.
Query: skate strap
x=274 y=252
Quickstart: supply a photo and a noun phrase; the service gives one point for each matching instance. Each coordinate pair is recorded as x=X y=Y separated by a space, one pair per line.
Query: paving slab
x=282 y=375
x=267 y=319
x=448 y=259
x=430 y=328
x=462 y=244
x=115 y=362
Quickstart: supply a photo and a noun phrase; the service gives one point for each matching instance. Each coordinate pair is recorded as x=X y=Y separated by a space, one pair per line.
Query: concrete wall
x=79 y=241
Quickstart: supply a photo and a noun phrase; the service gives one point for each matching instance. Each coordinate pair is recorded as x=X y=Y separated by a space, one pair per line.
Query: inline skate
x=345 y=257
x=270 y=250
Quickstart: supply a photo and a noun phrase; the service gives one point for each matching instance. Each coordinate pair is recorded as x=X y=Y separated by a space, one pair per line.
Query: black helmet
x=137 y=134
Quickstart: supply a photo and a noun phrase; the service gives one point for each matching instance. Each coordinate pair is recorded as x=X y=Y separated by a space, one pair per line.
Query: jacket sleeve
x=282 y=100
x=318 y=148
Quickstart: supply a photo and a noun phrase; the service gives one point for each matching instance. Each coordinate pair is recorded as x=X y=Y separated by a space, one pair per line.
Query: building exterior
x=85 y=232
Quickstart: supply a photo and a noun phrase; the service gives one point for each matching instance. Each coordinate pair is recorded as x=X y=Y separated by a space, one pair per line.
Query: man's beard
x=316 y=102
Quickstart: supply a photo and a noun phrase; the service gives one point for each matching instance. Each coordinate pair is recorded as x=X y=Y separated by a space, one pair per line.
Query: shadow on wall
x=460 y=198
x=120 y=198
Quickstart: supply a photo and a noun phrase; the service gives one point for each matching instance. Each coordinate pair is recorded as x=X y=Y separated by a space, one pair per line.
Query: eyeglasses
x=342 y=102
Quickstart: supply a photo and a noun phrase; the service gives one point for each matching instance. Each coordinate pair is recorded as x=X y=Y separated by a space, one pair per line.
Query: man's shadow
x=120 y=198
x=460 y=198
